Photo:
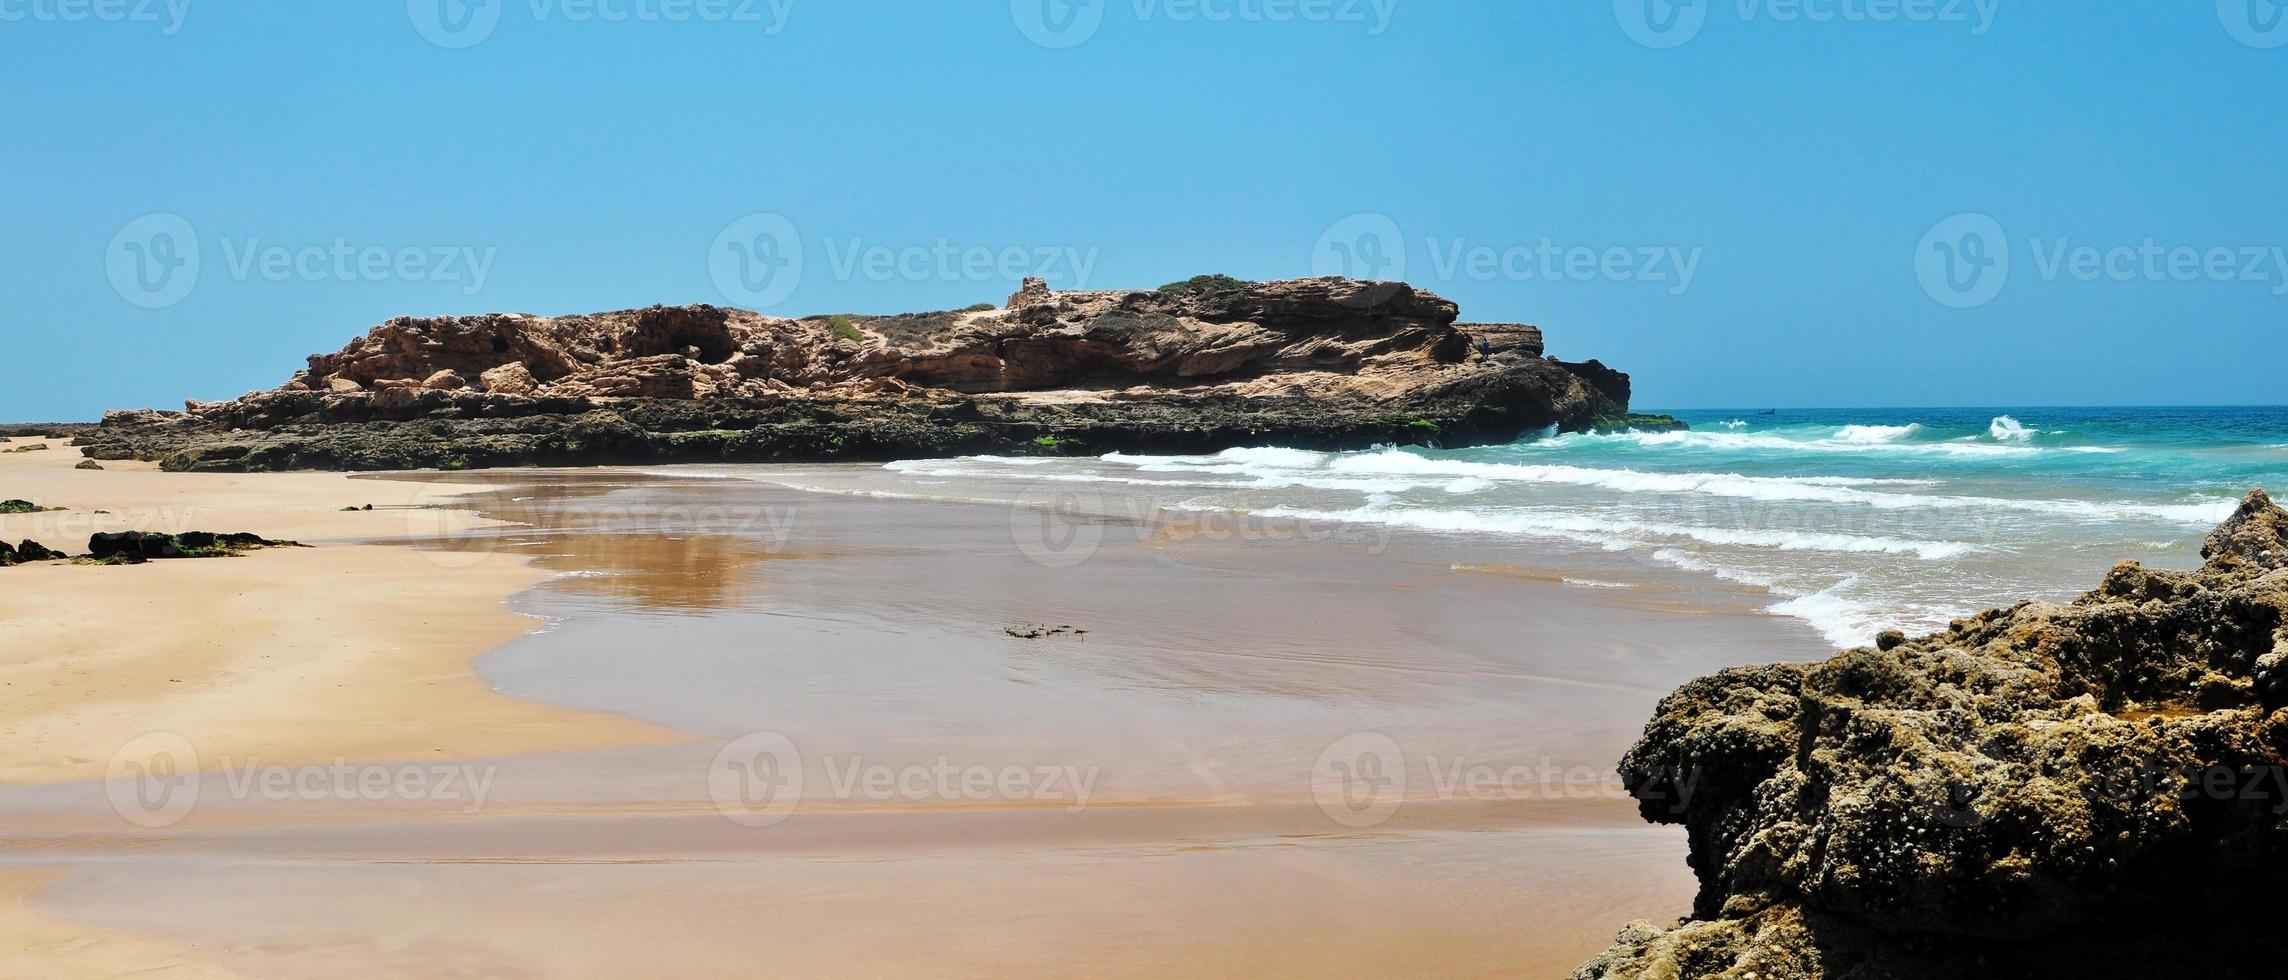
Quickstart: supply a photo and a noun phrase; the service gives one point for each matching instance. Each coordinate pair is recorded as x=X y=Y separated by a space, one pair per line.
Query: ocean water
x=1854 y=520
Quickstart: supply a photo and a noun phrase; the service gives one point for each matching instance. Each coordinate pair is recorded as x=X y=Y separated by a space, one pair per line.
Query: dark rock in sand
x=2094 y=789
x=1201 y=365
x=87 y=464
x=131 y=545
x=139 y=546
x=29 y=550
x=13 y=506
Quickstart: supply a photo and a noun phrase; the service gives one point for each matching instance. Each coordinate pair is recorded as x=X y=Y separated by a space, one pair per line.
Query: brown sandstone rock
x=512 y=378
x=1327 y=362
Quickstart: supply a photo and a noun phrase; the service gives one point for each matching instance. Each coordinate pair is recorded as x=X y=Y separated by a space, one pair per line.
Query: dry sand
x=340 y=650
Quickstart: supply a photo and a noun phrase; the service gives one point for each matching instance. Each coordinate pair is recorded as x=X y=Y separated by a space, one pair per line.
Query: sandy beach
x=1182 y=829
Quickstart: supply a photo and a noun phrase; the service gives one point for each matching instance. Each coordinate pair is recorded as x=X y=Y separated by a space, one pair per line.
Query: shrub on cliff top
x=1208 y=285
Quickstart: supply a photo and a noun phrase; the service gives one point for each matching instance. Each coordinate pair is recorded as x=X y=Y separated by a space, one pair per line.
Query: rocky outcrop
x=137 y=547
x=25 y=552
x=1202 y=365
x=2094 y=789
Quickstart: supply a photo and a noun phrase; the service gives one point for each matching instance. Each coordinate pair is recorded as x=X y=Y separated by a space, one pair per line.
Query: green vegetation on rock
x=1638 y=422
x=1208 y=285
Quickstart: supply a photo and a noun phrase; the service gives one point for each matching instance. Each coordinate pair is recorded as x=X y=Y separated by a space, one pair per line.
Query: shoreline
x=873 y=629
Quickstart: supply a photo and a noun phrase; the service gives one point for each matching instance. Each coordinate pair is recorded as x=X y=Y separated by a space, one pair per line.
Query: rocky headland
x=2093 y=789
x=1196 y=366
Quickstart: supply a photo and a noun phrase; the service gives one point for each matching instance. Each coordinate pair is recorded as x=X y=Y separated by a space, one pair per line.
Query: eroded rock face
x=2095 y=789
x=1327 y=362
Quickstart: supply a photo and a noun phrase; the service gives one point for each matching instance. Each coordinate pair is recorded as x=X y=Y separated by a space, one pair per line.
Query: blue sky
x=1841 y=180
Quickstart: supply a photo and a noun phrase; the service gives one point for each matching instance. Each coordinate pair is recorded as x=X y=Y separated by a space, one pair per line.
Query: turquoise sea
x=1854 y=520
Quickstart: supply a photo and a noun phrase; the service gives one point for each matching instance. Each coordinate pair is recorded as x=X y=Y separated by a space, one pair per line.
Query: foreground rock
x=1196 y=366
x=2099 y=789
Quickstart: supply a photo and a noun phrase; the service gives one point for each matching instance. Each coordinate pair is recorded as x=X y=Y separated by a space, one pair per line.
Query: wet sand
x=1221 y=668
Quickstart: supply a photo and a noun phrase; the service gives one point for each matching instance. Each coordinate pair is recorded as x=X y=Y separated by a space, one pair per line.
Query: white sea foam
x=1876 y=440
x=1620 y=534
x=1863 y=434
x=2007 y=429
x=1845 y=622
x=1592 y=583
x=1397 y=471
